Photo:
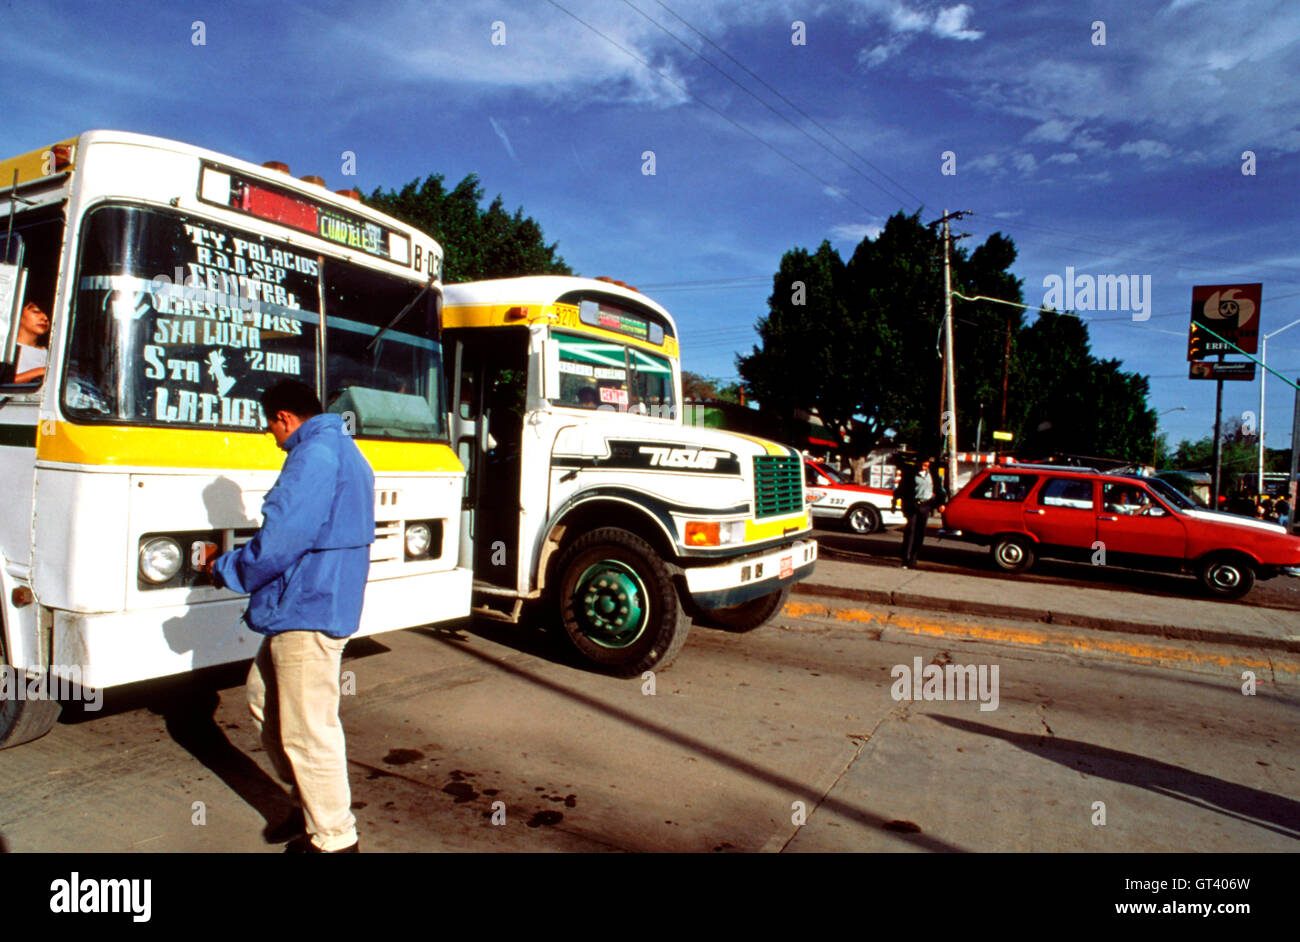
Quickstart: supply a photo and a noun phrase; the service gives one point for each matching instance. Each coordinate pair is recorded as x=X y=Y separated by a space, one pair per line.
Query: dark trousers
x=914 y=532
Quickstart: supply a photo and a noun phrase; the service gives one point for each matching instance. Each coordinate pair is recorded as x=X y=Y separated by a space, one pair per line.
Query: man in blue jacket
x=305 y=571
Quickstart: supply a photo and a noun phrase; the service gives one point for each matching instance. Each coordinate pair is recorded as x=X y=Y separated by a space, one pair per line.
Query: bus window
x=392 y=388
x=604 y=374
x=145 y=350
x=35 y=244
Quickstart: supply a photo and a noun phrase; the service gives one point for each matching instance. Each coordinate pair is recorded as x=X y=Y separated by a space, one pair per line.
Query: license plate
x=787 y=567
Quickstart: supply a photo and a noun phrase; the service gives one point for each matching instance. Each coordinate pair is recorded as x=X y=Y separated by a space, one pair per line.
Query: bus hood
x=661 y=446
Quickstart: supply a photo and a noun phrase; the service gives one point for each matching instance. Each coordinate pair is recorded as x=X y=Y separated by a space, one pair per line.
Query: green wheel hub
x=609 y=602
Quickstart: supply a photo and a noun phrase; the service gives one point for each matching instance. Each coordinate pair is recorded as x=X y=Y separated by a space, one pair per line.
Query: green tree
x=798 y=365
x=861 y=341
x=479 y=243
x=695 y=386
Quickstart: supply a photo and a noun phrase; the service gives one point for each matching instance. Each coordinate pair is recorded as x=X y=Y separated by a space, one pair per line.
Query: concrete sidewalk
x=835 y=583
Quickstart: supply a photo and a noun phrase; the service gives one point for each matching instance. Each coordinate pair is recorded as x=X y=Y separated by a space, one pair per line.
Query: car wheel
x=1227 y=577
x=863 y=519
x=747 y=615
x=618 y=603
x=1012 y=553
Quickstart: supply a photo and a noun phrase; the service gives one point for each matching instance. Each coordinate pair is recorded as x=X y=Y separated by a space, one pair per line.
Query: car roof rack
x=1048 y=467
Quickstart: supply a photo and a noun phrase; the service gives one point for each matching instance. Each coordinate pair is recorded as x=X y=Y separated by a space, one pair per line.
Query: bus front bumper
x=109 y=649
x=749 y=577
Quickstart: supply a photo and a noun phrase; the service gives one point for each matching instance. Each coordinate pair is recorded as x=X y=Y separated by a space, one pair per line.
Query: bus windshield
x=180 y=321
x=606 y=375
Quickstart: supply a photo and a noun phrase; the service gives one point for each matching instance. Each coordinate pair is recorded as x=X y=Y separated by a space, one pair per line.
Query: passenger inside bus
x=33 y=342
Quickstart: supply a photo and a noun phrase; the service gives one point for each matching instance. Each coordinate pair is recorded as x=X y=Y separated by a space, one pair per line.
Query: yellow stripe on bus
x=558 y=315
x=133 y=446
x=770 y=529
x=772 y=447
x=30 y=166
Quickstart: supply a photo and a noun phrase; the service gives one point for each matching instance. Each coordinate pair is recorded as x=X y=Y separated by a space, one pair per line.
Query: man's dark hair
x=293 y=397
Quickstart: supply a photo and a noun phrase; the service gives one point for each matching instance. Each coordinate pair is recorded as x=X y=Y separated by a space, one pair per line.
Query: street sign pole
x=1295 y=462
x=1218 y=443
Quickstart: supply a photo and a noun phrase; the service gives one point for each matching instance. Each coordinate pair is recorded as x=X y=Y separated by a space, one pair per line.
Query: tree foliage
x=860 y=343
x=709 y=388
x=479 y=243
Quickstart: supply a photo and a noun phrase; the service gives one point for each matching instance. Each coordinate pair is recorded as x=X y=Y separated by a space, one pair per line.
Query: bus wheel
x=863 y=519
x=23 y=719
x=747 y=615
x=618 y=603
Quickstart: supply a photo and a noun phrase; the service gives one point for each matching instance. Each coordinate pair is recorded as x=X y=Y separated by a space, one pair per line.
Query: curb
x=912 y=600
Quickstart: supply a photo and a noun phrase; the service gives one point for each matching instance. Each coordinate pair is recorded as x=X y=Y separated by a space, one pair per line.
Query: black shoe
x=303 y=845
x=292 y=826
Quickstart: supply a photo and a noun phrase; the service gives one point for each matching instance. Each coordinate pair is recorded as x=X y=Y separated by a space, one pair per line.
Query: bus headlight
x=714 y=533
x=160 y=560
x=419 y=537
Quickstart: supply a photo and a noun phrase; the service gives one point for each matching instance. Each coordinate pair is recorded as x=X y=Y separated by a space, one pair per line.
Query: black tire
x=1012 y=553
x=22 y=720
x=1227 y=576
x=640 y=587
x=747 y=615
x=862 y=519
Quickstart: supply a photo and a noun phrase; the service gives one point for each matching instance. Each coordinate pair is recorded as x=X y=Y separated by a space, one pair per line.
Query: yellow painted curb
x=1004 y=634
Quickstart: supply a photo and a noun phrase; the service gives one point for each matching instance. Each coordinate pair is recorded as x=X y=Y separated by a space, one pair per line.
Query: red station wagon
x=1025 y=511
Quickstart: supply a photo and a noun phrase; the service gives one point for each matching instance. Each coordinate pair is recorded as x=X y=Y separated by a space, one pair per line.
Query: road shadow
x=535 y=635
x=191 y=722
x=740 y=764
x=1251 y=805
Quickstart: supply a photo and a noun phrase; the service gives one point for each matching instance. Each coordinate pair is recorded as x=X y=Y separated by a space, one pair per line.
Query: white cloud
x=501 y=133
x=1085 y=141
x=988 y=163
x=1069 y=157
x=1146 y=149
x=951 y=23
x=856 y=232
x=904 y=20
x=1024 y=162
x=1053 y=131
x=1009 y=215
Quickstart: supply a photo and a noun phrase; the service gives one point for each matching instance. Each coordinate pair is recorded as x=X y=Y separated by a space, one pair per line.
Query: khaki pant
x=293 y=694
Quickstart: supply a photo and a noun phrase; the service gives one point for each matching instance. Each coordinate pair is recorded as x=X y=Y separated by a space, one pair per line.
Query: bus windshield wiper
x=400 y=314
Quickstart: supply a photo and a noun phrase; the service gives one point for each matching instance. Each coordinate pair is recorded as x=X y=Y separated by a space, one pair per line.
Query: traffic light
x=1197 y=339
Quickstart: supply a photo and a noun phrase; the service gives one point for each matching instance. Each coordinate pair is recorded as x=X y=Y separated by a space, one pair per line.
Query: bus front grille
x=778 y=485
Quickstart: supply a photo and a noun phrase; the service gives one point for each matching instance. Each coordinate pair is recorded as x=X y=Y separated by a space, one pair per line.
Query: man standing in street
x=919 y=492
x=306 y=571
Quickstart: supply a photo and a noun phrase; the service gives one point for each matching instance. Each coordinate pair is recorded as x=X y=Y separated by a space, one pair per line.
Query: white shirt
x=31 y=358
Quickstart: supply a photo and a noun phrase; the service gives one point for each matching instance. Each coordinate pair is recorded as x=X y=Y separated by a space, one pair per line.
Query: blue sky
x=1122 y=158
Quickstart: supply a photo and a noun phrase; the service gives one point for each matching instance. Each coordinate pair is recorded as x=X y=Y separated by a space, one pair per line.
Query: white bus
x=588 y=494
x=149 y=292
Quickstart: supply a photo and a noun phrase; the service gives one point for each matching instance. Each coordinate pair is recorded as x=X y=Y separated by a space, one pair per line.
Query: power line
x=899 y=186
x=751 y=94
x=734 y=123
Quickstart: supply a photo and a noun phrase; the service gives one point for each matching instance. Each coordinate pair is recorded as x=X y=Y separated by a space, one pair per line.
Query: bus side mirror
x=550 y=369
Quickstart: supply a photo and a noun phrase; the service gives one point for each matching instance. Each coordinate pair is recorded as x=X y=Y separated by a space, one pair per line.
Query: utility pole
x=948 y=413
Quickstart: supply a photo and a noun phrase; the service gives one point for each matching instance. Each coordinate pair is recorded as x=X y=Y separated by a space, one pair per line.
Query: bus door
x=488 y=402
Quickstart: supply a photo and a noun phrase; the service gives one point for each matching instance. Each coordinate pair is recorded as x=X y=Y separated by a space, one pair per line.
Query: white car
x=837 y=501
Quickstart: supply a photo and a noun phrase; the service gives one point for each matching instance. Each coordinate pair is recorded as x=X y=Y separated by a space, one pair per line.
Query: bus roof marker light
x=313 y=179
x=399 y=248
x=277 y=165
x=215 y=187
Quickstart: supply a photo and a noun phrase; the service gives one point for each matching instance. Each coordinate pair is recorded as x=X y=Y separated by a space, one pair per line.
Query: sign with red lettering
x=1231 y=311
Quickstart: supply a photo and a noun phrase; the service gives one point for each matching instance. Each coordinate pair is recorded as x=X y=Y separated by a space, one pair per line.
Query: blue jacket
x=306 y=568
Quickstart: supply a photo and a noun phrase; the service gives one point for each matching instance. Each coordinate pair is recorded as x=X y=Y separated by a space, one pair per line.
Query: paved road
x=882 y=549
x=787 y=738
